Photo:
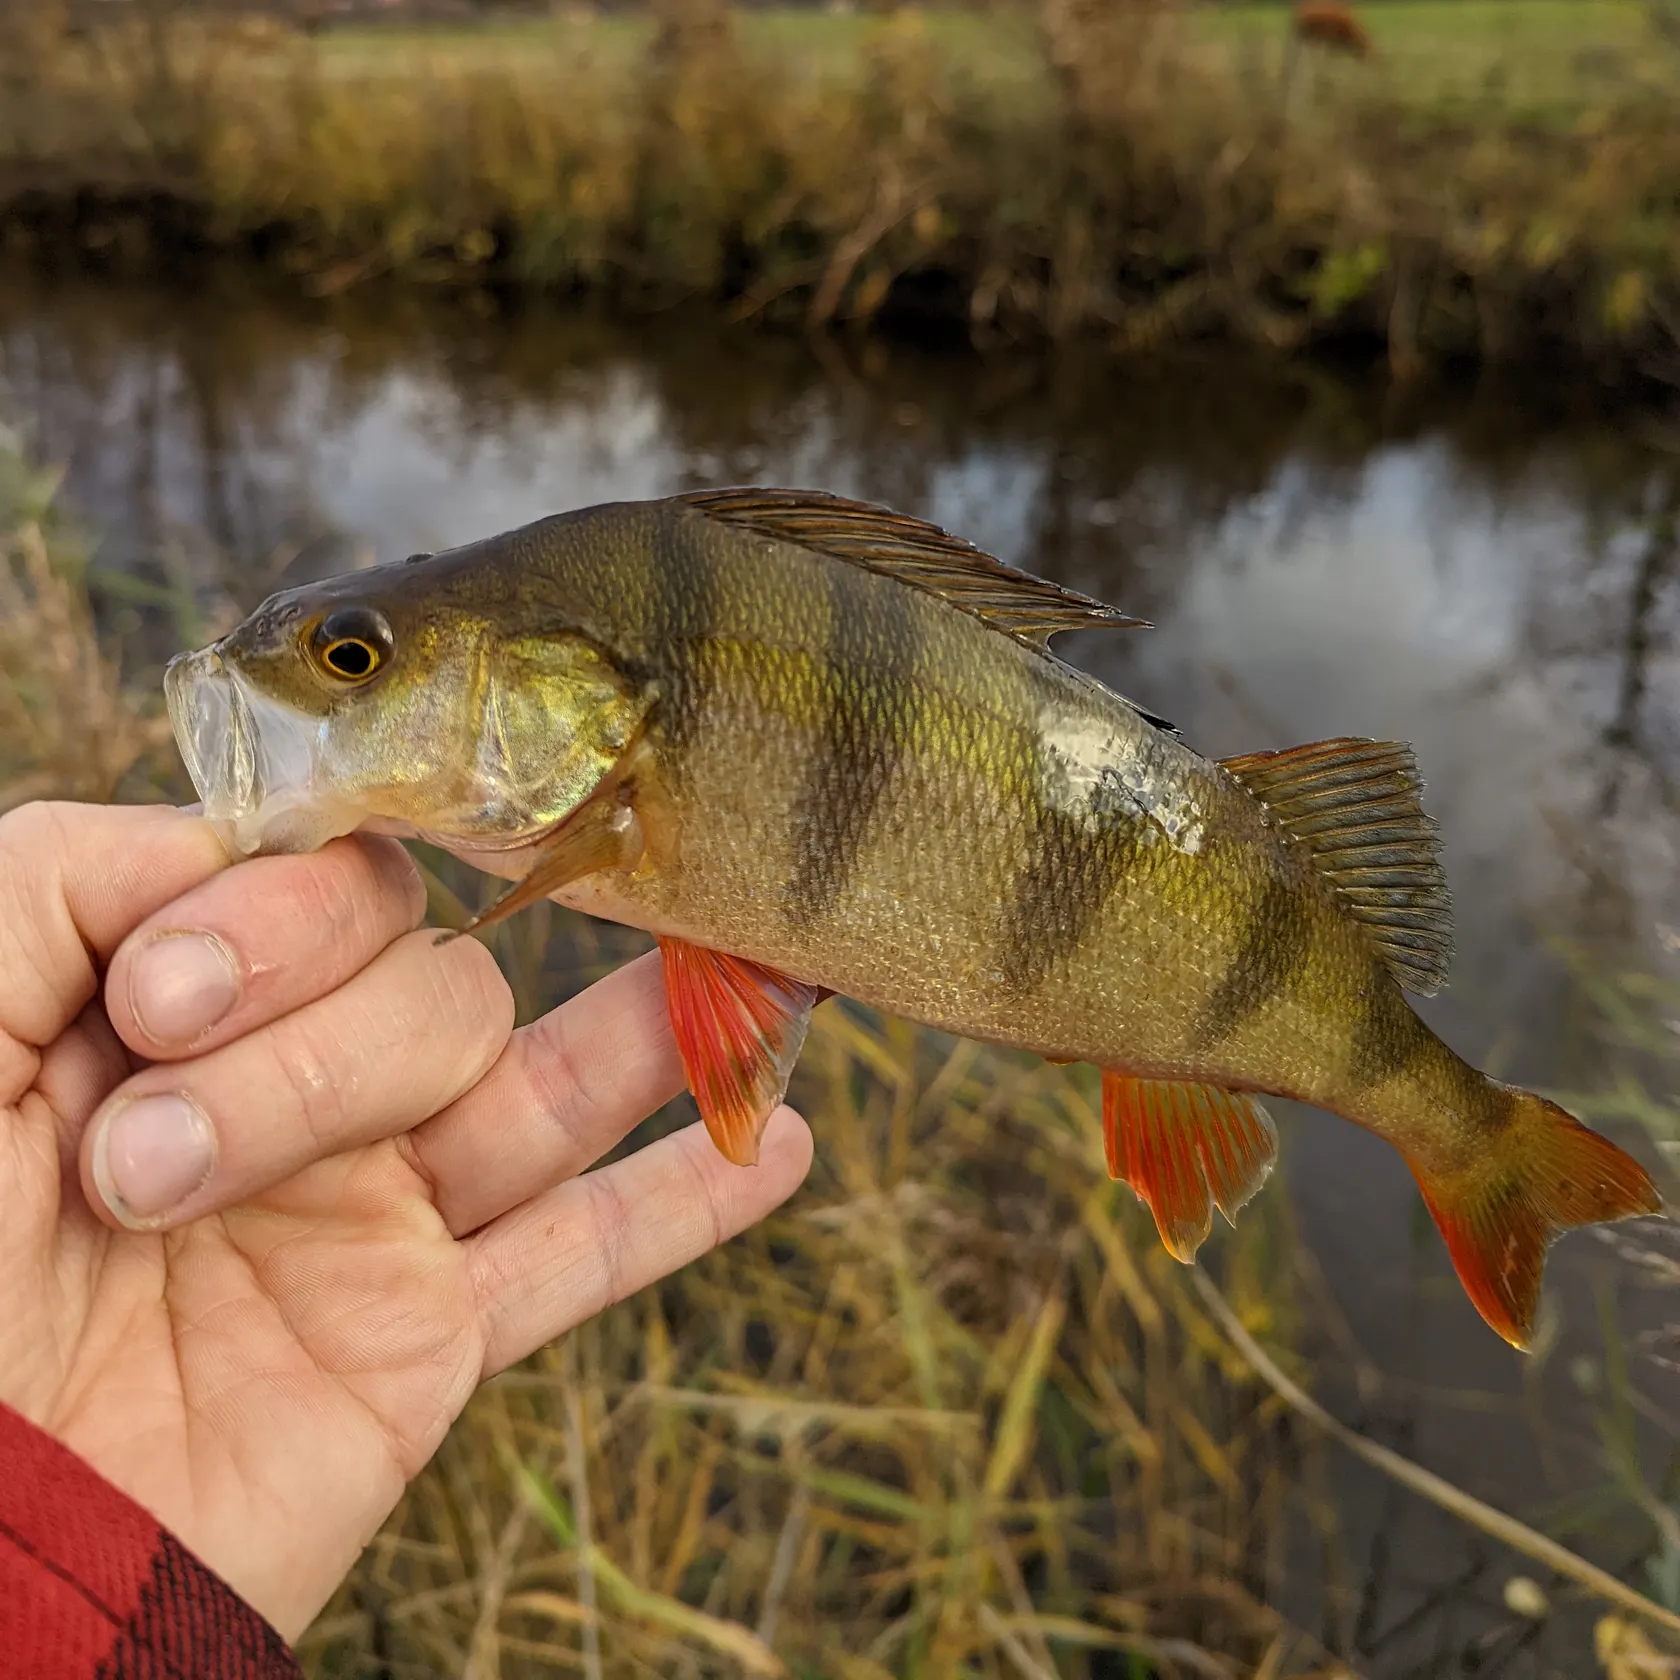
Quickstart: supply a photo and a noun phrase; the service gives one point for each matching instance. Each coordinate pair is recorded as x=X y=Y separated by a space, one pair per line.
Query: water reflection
x=1491 y=577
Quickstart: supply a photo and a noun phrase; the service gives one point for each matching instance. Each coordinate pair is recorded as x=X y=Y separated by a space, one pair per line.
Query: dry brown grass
x=68 y=730
x=949 y=1414
x=1129 y=179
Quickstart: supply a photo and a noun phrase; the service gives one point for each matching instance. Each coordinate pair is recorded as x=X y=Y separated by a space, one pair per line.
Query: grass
x=1502 y=180
x=952 y=1412
x=1432 y=52
x=68 y=727
x=1484 y=56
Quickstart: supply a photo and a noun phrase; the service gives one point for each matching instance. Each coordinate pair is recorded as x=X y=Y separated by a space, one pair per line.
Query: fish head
x=397 y=698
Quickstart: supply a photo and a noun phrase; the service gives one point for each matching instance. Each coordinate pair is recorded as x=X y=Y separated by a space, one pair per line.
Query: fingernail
x=150 y=1155
x=181 y=985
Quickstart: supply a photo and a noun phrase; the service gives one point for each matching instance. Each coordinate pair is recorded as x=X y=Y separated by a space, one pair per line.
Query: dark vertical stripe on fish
x=685 y=590
x=1274 y=950
x=868 y=701
x=1386 y=1037
x=1077 y=854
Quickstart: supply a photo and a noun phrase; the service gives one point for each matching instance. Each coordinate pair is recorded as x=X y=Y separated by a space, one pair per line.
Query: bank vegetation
x=1129 y=173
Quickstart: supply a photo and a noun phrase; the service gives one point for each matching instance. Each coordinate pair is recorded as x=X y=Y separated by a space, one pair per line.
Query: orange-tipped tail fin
x=1185 y=1149
x=1544 y=1173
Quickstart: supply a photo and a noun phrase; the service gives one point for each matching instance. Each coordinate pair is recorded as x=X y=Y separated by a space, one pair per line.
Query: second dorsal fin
x=1029 y=608
x=1354 y=804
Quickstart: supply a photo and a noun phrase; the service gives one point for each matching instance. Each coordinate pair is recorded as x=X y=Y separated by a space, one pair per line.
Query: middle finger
x=401 y=1040
x=566 y=1090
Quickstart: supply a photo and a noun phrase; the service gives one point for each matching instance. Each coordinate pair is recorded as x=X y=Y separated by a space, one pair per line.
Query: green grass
x=1545 y=57
x=996 y=52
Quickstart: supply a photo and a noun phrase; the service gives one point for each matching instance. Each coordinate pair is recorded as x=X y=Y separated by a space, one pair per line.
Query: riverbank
x=1498 y=183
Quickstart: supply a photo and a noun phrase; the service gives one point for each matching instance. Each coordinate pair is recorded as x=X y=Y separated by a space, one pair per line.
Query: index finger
x=240 y=951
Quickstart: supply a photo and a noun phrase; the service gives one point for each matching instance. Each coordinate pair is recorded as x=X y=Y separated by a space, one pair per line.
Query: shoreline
x=1144 y=192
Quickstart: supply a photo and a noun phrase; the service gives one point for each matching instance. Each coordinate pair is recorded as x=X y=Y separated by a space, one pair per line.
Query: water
x=1489 y=574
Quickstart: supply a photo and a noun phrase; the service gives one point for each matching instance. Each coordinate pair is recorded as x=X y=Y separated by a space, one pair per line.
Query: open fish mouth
x=257 y=764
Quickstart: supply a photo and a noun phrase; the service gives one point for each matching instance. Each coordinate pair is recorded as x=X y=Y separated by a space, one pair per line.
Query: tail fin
x=1543 y=1172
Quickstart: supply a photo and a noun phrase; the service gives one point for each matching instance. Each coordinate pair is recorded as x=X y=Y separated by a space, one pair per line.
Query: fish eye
x=351 y=643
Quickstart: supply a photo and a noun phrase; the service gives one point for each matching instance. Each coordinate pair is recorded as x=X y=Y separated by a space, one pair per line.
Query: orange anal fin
x=1185 y=1149
x=601 y=835
x=740 y=1027
x=1540 y=1175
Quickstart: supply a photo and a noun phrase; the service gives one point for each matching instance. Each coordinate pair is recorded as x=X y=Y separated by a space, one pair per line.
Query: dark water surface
x=1492 y=576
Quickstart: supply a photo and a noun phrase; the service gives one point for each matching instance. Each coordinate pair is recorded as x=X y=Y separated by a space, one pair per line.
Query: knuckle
x=341 y=898
x=42 y=959
x=396 y=877
x=474 y=999
x=716 y=1193
x=27 y=829
x=331 y=894
x=560 y=1078
x=575 y=1067
x=309 y=1085
x=608 y=1216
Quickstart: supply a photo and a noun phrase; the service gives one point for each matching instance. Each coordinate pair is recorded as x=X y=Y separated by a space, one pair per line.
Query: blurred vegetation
x=952 y=1412
x=1635 y=1015
x=1499 y=178
x=68 y=727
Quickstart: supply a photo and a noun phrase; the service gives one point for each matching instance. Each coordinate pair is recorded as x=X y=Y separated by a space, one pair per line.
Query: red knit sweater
x=91 y=1588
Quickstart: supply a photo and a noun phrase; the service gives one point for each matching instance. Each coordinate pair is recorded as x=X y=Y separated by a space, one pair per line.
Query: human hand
x=258 y=1311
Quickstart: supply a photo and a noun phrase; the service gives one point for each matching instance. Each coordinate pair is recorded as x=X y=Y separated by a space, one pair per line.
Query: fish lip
x=255 y=763
x=211 y=731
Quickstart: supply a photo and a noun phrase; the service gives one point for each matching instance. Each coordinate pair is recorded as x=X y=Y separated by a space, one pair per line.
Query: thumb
x=74 y=880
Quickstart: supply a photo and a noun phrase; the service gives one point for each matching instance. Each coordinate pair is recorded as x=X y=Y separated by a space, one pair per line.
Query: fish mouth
x=255 y=762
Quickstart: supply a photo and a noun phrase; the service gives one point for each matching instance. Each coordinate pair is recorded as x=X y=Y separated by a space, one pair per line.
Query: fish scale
x=816 y=746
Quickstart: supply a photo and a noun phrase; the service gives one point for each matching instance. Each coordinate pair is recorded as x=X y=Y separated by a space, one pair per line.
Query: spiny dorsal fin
x=1023 y=606
x=1355 y=805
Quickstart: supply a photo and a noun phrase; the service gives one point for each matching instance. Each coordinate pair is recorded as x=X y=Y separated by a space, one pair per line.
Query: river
x=1489 y=573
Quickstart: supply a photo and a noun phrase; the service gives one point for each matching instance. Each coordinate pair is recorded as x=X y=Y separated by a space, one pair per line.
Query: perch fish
x=813 y=746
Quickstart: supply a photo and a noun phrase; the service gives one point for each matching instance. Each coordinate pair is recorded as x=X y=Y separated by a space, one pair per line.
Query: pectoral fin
x=740 y=1028
x=604 y=834
x=1185 y=1149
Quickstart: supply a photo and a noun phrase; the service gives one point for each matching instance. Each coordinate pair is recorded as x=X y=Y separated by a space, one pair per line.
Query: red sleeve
x=91 y=1588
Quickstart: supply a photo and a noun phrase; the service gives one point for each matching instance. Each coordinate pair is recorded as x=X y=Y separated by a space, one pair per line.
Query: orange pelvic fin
x=601 y=835
x=740 y=1028
x=1542 y=1174
x=1186 y=1149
